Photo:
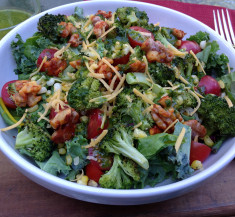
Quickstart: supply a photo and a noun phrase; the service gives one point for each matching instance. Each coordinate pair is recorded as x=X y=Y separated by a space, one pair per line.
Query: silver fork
x=225 y=27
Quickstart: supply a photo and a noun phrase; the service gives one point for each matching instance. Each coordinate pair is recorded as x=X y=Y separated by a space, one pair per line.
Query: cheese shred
x=94 y=142
x=39 y=68
x=171 y=125
x=147 y=69
x=105 y=85
x=18 y=123
x=197 y=61
x=144 y=98
x=179 y=139
x=112 y=67
x=94 y=51
x=59 y=53
x=230 y=104
x=105 y=33
x=198 y=101
x=137 y=125
x=148 y=109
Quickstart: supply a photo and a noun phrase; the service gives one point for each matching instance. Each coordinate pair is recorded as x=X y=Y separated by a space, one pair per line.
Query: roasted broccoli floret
x=217 y=116
x=48 y=26
x=131 y=16
x=120 y=141
x=184 y=100
x=120 y=175
x=167 y=33
x=130 y=105
x=186 y=66
x=161 y=73
x=82 y=92
x=34 y=141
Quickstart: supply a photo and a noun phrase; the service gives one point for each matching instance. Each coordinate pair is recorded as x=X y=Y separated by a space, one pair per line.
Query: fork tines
x=224 y=28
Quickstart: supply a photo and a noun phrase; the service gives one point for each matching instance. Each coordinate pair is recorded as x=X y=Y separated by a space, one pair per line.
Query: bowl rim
x=34 y=171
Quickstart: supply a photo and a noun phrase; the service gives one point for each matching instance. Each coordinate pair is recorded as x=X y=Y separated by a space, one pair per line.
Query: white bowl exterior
x=166 y=17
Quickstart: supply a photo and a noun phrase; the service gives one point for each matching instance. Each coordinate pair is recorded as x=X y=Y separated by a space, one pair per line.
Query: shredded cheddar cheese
x=60 y=52
x=170 y=126
x=144 y=98
x=105 y=33
x=179 y=139
x=112 y=67
x=18 y=123
x=198 y=102
x=105 y=85
x=137 y=125
x=230 y=104
x=94 y=142
x=197 y=61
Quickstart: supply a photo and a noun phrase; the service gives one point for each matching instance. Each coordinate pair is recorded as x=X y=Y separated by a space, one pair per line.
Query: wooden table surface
x=20 y=197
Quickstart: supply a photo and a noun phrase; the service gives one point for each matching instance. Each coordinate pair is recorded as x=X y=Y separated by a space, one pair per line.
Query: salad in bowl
x=110 y=100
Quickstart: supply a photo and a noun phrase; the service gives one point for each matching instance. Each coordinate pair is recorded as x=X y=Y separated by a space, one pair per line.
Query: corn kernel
x=83 y=180
x=197 y=165
x=68 y=160
x=139 y=134
x=84 y=119
x=221 y=84
x=62 y=151
x=92 y=183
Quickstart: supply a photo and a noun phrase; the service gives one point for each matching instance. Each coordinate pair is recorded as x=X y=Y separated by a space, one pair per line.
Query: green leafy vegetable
x=78 y=154
x=55 y=165
x=26 y=53
x=199 y=36
x=151 y=145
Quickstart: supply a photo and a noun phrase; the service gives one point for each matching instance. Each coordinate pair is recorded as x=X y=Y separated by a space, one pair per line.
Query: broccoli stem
x=135 y=155
x=218 y=144
x=137 y=78
x=24 y=138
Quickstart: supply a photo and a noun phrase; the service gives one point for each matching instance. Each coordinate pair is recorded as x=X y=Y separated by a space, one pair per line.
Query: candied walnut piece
x=33 y=100
x=55 y=66
x=165 y=101
x=179 y=34
x=103 y=68
x=64 y=133
x=137 y=66
x=20 y=101
x=20 y=83
x=197 y=128
x=164 y=114
x=65 y=116
x=26 y=93
x=154 y=130
x=76 y=63
x=156 y=51
x=75 y=40
x=100 y=26
x=104 y=14
x=67 y=29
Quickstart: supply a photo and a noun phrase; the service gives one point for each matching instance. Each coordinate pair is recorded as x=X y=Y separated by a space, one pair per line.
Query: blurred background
x=46 y=4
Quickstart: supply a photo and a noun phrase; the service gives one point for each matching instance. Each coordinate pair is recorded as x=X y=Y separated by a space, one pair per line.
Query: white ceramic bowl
x=166 y=17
